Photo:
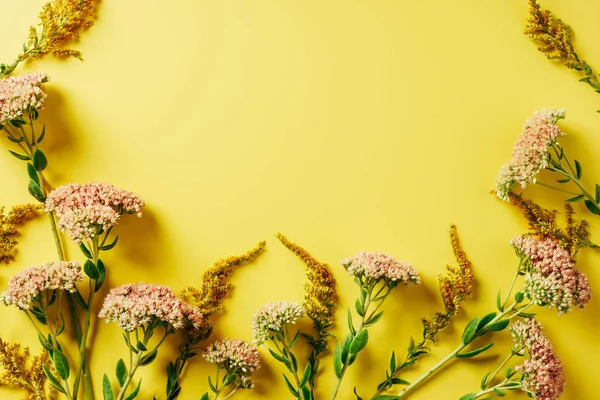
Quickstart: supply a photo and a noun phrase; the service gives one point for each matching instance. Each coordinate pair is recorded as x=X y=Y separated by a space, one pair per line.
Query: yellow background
x=347 y=125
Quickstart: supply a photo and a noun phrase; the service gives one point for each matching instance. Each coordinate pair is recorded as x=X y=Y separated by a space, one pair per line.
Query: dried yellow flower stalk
x=17 y=216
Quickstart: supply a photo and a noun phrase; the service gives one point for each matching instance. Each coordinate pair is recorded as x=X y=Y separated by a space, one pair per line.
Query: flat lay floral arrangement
x=61 y=297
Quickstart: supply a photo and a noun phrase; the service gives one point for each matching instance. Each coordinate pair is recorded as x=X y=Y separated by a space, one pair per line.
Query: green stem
x=292 y=366
x=134 y=367
x=492 y=376
x=506 y=384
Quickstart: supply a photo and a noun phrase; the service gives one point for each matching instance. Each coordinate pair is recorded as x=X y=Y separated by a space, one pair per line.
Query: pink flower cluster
x=27 y=285
x=375 y=266
x=530 y=154
x=140 y=304
x=21 y=94
x=86 y=210
x=543 y=374
x=551 y=278
x=272 y=317
x=234 y=355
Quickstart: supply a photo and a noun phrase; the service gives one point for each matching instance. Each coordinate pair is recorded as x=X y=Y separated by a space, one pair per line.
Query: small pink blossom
x=272 y=317
x=530 y=154
x=27 y=285
x=21 y=94
x=233 y=355
x=84 y=211
x=140 y=304
x=543 y=374
x=375 y=266
x=551 y=278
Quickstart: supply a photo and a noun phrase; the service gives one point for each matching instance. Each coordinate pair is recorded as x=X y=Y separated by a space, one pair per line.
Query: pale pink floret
x=24 y=287
x=140 y=304
x=376 y=266
x=21 y=94
x=530 y=154
x=233 y=355
x=85 y=210
x=272 y=317
x=551 y=278
x=543 y=374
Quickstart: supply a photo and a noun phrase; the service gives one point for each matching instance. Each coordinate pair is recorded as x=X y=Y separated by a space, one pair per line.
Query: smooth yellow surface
x=347 y=125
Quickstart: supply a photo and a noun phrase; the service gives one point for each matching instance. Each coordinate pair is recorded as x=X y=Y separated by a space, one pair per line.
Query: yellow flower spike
x=17 y=216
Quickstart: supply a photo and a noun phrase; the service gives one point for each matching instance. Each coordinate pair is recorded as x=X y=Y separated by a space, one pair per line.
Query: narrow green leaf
x=44 y=342
x=337 y=360
x=210 y=384
x=359 y=342
x=359 y=308
x=499 y=393
x=41 y=137
x=61 y=327
x=356 y=394
x=36 y=191
x=291 y=387
x=111 y=244
x=15 y=140
x=470 y=396
x=40 y=162
x=346 y=347
x=499 y=325
x=85 y=250
x=205 y=396
x=574 y=199
x=279 y=357
x=393 y=362
x=578 y=169
x=62 y=364
x=385 y=397
x=32 y=173
x=121 y=372
x=53 y=380
x=398 y=381
x=307 y=373
x=499 y=301
x=141 y=346
x=107 y=389
x=473 y=353
x=80 y=300
x=295 y=339
x=592 y=207
x=374 y=319
x=470 y=331
x=90 y=269
x=564 y=180
x=411 y=345
x=135 y=392
x=20 y=156
x=486 y=319
x=483 y=384
x=101 y=275
x=148 y=358
x=597 y=194
x=306 y=393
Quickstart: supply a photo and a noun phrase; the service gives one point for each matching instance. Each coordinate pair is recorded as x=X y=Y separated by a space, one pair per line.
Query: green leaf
x=15 y=140
x=61 y=363
x=358 y=305
x=499 y=301
x=564 y=180
x=374 y=319
x=359 y=342
x=141 y=346
x=148 y=358
x=36 y=191
x=53 y=380
x=110 y=245
x=135 y=392
x=306 y=393
x=499 y=392
x=295 y=338
x=40 y=162
x=498 y=325
x=61 y=327
x=107 y=389
x=80 y=300
x=398 y=381
x=41 y=137
x=411 y=345
x=470 y=331
x=17 y=122
x=307 y=373
x=346 y=347
x=85 y=250
x=470 y=396
x=574 y=199
x=592 y=207
x=385 y=397
x=393 y=362
x=519 y=296
x=20 y=156
x=597 y=193
x=578 y=169
x=350 y=324
x=485 y=320
x=483 y=384
x=279 y=357
x=337 y=360
x=290 y=386
x=205 y=396
x=473 y=353
x=44 y=342
x=210 y=384
x=356 y=394
x=101 y=275
x=121 y=372
x=90 y=269
x=32 y=173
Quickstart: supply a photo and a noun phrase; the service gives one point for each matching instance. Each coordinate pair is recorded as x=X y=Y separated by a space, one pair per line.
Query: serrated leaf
x=111 y=244
x=337 y=360
x=90 y=269
x=498 y=325
x=53 y=380
x=121 y=372
x=40 y=162
x=359 y=342
x=291 y=387
x=61 y=364
x=578 y=171
x=107 y=389
x=475 y=352
x=574 y=199
x=135 y=392
x=470 y=331
x=148 y=358
x=101 y=275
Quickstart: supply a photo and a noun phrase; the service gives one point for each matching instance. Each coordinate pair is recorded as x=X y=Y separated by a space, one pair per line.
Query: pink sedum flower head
x=272 y=317
x=375 y=266
x=136 y=305
x=551 y=278
x=233 y=355
x=21 y=95
x=530 y=154
x=84 y=211
x=27 y=285
x=543 y=374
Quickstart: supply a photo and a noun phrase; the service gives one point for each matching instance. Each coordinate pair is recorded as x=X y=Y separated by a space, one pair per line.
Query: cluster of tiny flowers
x=21 y=94
x=234 y=355
x=543 y=374
x=24 y=287
x=272 y=317
x=375 y=266
x=530 y=154
x=140 y=304
x=84 y=210
x=551 y=278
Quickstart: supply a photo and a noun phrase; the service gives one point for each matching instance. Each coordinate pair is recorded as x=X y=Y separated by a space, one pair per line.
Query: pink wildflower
x=140 y=304
x=530 y=154
x=375 y=266
x=272 y=317
x=543 y=374
x=551 y=278
x=84 y=211
x=27 y=285
x=20 y=95
x=233 y=355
